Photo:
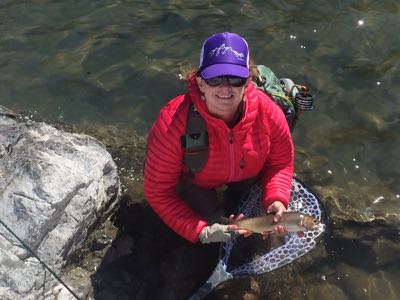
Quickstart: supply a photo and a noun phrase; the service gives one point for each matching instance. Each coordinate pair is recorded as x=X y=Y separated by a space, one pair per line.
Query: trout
x=291 y=221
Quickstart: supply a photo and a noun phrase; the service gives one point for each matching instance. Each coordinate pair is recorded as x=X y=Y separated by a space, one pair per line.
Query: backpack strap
x=195 y=142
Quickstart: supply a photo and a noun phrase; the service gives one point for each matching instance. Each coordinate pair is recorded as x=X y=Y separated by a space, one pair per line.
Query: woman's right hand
x=222 y=233
x=244 y=232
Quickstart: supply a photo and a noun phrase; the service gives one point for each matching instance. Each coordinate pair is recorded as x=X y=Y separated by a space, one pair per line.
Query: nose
x=225 y=82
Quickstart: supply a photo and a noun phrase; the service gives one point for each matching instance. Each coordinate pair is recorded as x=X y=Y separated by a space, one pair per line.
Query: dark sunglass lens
x=236 y=81
x=232 y=80
x=215 y=81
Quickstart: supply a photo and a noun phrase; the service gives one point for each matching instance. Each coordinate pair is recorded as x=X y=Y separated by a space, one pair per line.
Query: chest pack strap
x=195 y=142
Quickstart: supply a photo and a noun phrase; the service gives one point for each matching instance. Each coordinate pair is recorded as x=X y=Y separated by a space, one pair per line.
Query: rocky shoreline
x=55 y=187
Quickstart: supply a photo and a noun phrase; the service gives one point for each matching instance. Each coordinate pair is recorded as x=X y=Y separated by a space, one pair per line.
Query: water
x=117 y=62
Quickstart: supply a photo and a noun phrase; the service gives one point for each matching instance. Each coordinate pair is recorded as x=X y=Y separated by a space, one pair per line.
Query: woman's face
x=224 y=98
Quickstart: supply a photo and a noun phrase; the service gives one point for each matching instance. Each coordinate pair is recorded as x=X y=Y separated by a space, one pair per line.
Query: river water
x=111 y=62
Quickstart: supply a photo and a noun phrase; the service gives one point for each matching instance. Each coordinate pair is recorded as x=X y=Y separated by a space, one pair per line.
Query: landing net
x=252 y=255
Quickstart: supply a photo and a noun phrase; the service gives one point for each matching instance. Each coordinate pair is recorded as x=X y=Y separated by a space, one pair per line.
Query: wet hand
x=278 y=209
x=244 y=232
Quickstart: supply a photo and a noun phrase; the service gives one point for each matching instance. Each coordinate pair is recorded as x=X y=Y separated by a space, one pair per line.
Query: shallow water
x=117 y=62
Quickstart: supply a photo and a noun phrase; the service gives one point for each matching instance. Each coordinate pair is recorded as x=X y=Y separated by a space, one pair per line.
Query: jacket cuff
x=199 y=228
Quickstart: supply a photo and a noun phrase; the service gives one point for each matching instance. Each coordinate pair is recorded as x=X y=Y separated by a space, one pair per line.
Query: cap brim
x=224 y=70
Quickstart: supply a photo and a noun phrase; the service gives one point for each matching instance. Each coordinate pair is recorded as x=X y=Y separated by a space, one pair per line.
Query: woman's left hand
x=278 y=209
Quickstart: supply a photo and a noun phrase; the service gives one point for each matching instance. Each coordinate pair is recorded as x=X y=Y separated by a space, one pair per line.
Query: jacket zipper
x=231 y=156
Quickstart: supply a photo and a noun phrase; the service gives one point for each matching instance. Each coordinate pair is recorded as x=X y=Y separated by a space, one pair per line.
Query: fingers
x=249 y=233
x=278 y=209
x=278 y=216
x=244 y=232
x=232 y=227
x=240 y=216
x=280 y=230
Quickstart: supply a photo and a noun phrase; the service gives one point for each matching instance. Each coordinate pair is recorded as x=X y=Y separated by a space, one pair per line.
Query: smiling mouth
x=224 y=97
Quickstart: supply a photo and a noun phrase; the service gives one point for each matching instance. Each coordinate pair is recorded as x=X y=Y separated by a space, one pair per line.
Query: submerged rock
x=54 y=187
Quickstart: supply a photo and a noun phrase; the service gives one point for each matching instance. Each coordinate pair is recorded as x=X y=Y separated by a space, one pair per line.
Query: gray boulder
x=54 y=187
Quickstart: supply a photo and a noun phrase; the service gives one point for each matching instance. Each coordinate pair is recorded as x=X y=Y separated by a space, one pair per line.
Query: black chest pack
x=292 y=98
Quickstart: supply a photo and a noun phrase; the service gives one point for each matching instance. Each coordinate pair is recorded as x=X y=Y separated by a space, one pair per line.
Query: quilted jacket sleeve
x=278 y=171
x=162 y=171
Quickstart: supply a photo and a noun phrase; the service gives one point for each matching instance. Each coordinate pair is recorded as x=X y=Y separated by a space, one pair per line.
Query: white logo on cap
x=223 y=49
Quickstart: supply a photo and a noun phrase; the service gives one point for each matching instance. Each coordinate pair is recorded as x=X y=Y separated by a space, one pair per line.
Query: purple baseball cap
x=224 y=54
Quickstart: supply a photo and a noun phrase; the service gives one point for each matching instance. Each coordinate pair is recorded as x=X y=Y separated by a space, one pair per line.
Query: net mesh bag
x=244 y=256
x=252 y=255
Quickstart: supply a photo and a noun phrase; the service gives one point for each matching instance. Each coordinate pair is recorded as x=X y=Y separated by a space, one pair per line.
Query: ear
x=200 y=83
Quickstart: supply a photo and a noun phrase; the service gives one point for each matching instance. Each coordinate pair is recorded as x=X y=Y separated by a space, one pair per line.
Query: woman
x=248 y=138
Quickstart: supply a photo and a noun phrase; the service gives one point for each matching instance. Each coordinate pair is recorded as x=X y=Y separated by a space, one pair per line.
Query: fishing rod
x=40 y=261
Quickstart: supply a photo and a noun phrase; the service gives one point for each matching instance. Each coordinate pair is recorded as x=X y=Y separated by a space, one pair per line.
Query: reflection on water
x=113 y=62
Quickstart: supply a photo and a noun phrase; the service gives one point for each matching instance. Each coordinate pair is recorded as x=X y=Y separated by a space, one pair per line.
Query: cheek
x=207 y=94
x=201 y=88
x=240 y=94
x=205 y=90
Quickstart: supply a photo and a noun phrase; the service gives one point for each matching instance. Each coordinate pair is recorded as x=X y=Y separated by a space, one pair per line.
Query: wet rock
x=337 y=202
x=79 y=279
x=362 y=204
x=360 y=284
x=326 y=291
x=381 y=286
x=128 y=149
x=8 y=113
x=55 y=186
x=382 y=204
x=315 y=170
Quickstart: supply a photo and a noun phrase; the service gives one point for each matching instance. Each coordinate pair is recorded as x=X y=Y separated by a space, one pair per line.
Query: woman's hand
x=278 y=209
x=222 y=233
x=244 y=232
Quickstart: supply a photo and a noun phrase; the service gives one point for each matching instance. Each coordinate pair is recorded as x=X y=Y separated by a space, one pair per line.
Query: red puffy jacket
x=261 y=141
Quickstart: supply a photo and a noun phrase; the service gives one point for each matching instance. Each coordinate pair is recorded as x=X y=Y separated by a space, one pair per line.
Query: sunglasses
x=232 y=80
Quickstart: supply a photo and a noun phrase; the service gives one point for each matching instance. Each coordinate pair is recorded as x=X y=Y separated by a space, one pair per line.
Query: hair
x=187 y=74
x=254 y=74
